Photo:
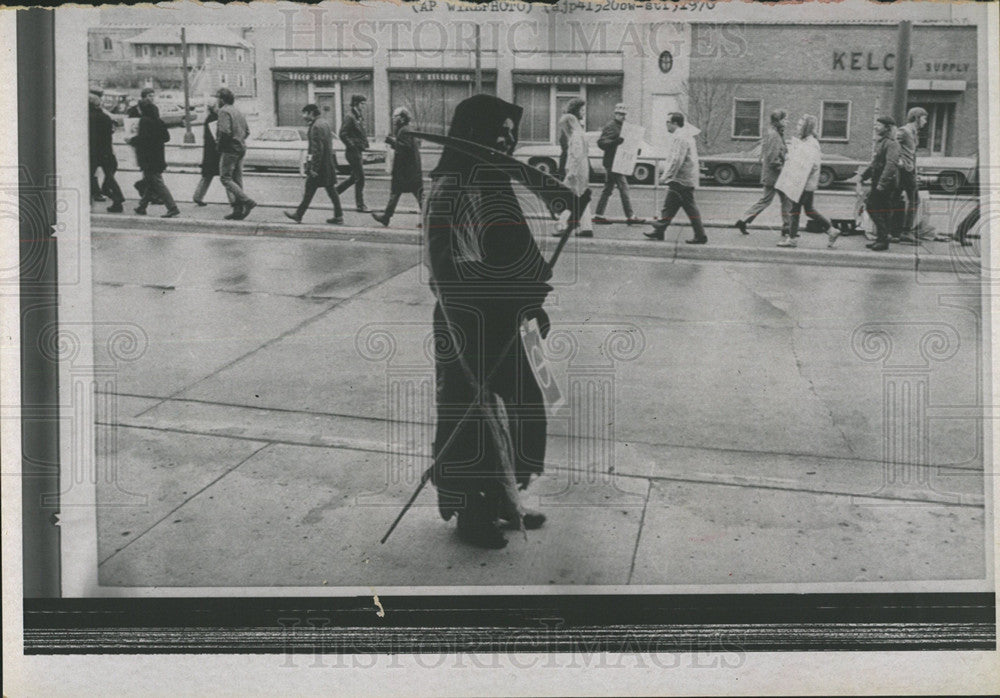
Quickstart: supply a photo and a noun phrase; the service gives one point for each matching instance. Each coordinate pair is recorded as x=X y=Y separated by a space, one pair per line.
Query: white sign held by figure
x=628 y=151
x=795 y=172
x=531 y=338
x=131 y=127
x=213 y=128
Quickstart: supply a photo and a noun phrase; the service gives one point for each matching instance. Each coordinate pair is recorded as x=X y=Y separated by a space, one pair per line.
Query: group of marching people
x=892 y=173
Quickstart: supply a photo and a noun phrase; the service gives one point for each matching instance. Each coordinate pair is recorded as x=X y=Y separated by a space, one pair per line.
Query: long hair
x=808 y=127
x=776 y=116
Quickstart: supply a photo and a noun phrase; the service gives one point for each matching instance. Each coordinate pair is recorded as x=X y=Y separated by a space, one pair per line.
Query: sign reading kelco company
x=321 y=75
x=550 y=78
x=870 y=60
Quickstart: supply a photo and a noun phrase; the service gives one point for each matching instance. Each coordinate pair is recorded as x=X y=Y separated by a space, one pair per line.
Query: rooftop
x=212 y=36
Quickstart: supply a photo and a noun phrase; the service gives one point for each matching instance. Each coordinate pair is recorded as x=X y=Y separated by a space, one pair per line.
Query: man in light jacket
x=908 y=137
x=773 y=152
x=680 y=174
x=233 y=133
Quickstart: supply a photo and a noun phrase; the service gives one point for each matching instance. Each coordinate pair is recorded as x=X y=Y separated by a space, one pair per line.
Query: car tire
x=950 y=182
x=546 y=165
x=826 y=177
x=724 y=175
x=643 y=173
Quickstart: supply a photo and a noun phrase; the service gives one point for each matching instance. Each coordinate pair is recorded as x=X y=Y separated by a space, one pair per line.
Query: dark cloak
x=486 y=271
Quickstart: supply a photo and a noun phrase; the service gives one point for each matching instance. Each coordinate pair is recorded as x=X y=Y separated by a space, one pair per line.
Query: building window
x=222 y=54
x=170 y=50
x=935 y=137
x=240 y=55
x=747 y=115
x=544 y=105
x=240 y=80
x=159 y=50
x=431 y=102
x=535 y=99
x=835 y=120
x=222 y=79
x=107 y=44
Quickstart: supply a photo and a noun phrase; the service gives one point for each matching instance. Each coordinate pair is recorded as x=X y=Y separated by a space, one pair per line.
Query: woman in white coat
x=577 y=167
x=805 y=152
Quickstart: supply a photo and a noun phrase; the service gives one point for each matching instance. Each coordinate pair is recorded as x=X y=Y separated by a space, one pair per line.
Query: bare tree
x=710 y=106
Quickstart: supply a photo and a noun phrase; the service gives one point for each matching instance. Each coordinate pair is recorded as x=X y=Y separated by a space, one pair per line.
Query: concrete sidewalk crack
x=182 y=504
x=638 y=535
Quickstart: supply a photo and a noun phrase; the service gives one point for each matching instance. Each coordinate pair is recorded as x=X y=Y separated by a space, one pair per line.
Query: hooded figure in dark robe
x=488 y=276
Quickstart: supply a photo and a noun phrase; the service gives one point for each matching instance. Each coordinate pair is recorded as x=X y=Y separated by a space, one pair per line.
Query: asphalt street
x=726 y=423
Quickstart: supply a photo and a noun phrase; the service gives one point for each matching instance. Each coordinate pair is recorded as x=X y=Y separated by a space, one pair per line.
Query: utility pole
x=188 y=135
x=479 y=62
x=902 y=77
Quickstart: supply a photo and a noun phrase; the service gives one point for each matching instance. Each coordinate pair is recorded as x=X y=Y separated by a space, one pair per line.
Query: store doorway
x=328 y=101
x=935 y=138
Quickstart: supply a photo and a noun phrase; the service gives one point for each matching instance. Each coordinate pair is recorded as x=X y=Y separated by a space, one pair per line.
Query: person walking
x=102 y=154
x=146 y=96
x=488 y=276
x=773 y=152
x=320 y=167
x=908 y=136
x=884 y=175
x=352 y=133
x=564 y=128
x=148 y=144
x=680 y=174
x=576 y=166
x=407 y=174
x=209 y=158
x=805 y=156
x=609 y=140
x=233 y=133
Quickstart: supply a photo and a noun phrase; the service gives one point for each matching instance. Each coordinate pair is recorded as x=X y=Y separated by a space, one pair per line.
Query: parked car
x=730 y=168
x=545 y=157
x=285 y=147
x=173 y=114
x=950 y=174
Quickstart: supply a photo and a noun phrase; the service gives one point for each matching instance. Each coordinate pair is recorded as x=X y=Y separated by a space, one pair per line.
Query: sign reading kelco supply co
x=870 y=60
x=321 y=75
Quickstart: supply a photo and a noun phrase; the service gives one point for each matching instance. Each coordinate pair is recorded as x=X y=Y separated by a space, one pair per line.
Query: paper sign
x=213 y=128
x=628 y=152
x=531 y=338
x=131 y=127
x=795 y=172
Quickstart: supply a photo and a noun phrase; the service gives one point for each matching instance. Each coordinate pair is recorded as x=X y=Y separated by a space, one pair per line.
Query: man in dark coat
x=352 y=133
x=884 y=174
x=146 y=96
x=102 y=154
x=773 y=152
x=407 y=175
x=609 y=140
x=320 y=167
x=148 y=144
x=209 y=158
x=488 y=275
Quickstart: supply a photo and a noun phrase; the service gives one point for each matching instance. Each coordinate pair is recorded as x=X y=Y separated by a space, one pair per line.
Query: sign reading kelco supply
x=870 y=60
x=321 y=75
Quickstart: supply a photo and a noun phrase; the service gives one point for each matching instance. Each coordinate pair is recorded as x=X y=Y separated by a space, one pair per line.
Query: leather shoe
x=381 y=219
x=653 y=235
x=115 y=208
x=532 y=520
x=742 y=225
x=879 y=248
x=140 y=210
x=172 y=213
x=601 y=220
x=236 y=215
x=292 y=217
x=200 y=203
x=336 y=220
x=696 y=241
x=247 y=208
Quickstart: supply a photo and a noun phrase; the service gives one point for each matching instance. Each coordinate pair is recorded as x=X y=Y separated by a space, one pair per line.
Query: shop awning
x=936 y=85
x=548 y=77
x=319 y=75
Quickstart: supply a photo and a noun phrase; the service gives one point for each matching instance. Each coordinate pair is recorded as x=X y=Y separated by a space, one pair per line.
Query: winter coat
x=352 y=131
x=101 y=127
x=577 y=156
x=322 y=163
x=407 y=174
x=233 y=130
x=884 y=167
x=609 y=140
x=209 y=149
x=773 y=152
x=148 y=144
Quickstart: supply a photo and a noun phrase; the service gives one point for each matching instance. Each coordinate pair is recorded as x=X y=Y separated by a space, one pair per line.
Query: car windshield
x=271 y=134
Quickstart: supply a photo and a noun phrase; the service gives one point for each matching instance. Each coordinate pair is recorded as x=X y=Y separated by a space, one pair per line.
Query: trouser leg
x=693 y=214
x=793 y=217
x=308 y=192
x=622 y=185
x=762 y=203
x=338 y=211
x=908 y=186
x=231 y=176
x=671 y=205
x=609 y=186
x=201 y=189
x=810 y=208
x=110 y=186
x=879 y=205
x=159 y=188
x=390 y=205
x=786 y=213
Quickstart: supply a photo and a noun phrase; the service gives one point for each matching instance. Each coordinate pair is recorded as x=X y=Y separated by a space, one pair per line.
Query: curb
x=673 y=250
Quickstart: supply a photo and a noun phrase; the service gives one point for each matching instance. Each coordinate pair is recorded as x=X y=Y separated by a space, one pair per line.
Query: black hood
x=478 y=119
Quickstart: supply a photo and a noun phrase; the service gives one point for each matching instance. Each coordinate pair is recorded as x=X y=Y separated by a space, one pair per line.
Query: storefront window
x=936 y=135
x=601 y=101
x=291 y=97
x=835 y=121
x=534 y=99
x=432 y=103
x=746 y=118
